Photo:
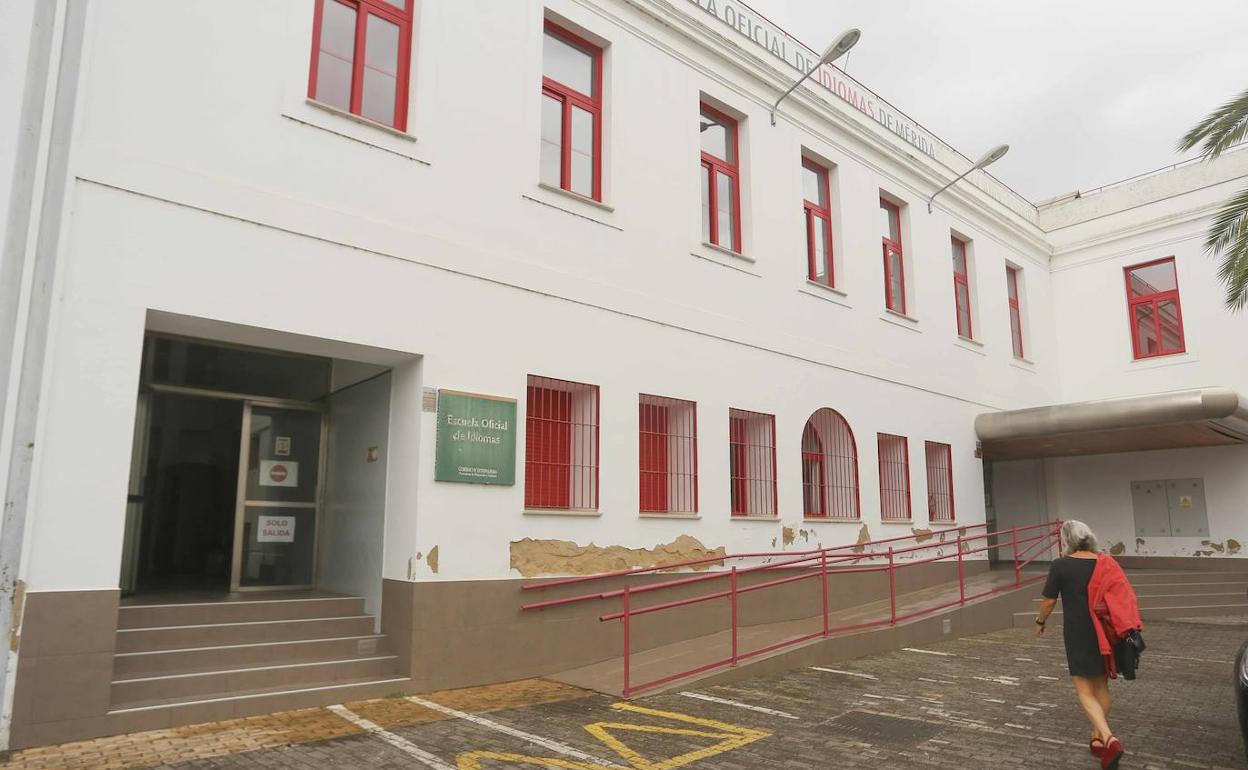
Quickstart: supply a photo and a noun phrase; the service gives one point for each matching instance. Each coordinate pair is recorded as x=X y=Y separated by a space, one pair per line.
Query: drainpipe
x=29 y=252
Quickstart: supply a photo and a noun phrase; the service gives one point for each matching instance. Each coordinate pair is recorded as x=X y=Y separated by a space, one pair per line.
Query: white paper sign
x=279 y=473
x=281 y=446
x=275 y=529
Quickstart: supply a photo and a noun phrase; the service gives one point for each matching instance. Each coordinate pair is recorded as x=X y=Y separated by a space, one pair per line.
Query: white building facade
x=245 y=263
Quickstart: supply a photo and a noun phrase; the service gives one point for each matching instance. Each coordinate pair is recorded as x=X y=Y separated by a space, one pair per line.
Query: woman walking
x=1088 y=652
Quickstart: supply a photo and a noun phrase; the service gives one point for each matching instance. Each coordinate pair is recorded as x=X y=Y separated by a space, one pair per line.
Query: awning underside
x=1188 y=418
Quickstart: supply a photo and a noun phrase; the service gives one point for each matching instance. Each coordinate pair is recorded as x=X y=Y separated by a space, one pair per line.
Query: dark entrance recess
x=191 y=481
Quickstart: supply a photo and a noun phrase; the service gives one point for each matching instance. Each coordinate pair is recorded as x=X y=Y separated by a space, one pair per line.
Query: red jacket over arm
x=1115 y=610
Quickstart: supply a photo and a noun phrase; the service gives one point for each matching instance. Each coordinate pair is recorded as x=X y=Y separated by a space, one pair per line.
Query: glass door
x=279 y=497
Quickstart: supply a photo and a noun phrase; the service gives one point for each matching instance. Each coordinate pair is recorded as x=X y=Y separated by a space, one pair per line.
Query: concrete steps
x=245 y=655
x=1165 y=594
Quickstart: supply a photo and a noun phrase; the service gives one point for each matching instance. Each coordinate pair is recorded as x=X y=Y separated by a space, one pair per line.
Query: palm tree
x=1228 y=235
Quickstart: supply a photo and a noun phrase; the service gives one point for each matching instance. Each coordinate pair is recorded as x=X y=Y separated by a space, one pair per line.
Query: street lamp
x=990 y=157
x=835 y=50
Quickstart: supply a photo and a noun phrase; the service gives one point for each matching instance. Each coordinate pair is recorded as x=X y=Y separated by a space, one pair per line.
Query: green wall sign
x=476 y=441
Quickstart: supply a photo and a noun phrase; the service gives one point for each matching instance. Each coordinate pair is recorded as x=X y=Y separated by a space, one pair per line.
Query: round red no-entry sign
x=278 y=473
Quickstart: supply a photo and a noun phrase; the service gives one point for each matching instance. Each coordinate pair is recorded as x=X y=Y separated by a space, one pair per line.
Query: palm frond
x=1228 y=239
x=1223 y=128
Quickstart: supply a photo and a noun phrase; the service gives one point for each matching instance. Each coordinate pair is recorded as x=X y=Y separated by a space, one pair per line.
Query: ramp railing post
x=627 y=640
x=892 y=589
x=823 y=576
x=961 y=578
x=733 y=578
x=1018 y=575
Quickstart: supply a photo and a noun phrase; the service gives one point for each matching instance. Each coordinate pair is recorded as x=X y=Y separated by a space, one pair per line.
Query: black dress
x=1069 y=577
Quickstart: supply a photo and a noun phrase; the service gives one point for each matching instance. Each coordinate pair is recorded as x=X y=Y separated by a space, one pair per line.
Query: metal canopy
x=1185 y=418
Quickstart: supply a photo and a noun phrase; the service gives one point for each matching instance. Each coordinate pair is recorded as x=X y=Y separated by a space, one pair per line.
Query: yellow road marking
x=730 y=737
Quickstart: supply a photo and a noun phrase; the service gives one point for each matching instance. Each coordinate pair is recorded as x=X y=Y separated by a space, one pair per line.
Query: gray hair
x=1077 y=536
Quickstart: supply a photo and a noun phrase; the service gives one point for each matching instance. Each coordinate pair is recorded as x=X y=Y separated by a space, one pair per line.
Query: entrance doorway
x=227 y=472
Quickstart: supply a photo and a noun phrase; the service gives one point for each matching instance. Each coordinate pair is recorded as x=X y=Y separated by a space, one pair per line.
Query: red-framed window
x=816 y=203
x=939 y=481
x=962 y=288
x=752 y=463
x=1153 y=306
x=361 y=58
x=561 y=445
x=894 y=477
x=1016 y=313
x=829 y=467
x=894 y=262
x=668 y=463
x=571 y=156
x=721 y=180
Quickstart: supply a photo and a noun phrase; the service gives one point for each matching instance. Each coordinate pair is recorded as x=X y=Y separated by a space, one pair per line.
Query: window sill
x=569 y=203
x=899 y=522
x=969 y=345
x=576 y=197
x=358 y=129
x=902 y=320
x=830 y=520
x=1024 y=364
x=1160 y=362
x=655 y=515
x=825 y=293
x=725 y=258
x=756 y=518
x=560 y=512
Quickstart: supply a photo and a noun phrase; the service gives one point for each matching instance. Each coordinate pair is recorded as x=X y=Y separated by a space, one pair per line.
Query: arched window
x=814 y=488
x=829 y=467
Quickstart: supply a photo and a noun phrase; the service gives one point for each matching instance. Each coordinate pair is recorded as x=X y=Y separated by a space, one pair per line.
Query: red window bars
x=669 y=455
x=571 y=155
x=961 y=288
x=721 y=183
x=894 y=478
x=1153 y=302
x=829 y=467
x=1016 y=317
x=939 y=481
x=894 y=263
x=361 y=58
x=817 y=205
x=561 y=445
x=752 y=463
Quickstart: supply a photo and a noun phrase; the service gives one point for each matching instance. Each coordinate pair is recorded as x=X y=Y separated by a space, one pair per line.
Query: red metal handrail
x=805 y=561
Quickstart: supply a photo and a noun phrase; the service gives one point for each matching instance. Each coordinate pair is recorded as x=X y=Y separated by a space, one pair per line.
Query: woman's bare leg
x=1087 y=690
x=1104 y=695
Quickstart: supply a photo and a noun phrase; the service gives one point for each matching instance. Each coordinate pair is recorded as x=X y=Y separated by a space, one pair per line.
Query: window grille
x=752 y=463
x=894 y=478
x=668 y=461
x=939 y=481
x=829 y=467
x=561 y=445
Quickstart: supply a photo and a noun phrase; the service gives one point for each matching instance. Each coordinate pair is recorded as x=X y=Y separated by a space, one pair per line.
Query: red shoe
x=1097 y=747
x=1112 y=754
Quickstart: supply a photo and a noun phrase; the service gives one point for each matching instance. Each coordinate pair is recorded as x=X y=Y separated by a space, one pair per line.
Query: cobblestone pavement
x=998 y=700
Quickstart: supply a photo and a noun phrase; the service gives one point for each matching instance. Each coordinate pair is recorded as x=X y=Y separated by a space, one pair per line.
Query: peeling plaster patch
x=1232 y=547
x=409 y=567
x=1139 y=543
x=1117 y=549
x=788 y=535
x=532 y=558
x=1202 y=553
x=805 y=535
x=773 y=542
x=864 y=536
x=1219 y=547
x=921 y=535
x=433 y=559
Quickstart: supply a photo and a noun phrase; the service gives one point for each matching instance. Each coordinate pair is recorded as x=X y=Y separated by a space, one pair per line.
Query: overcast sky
x=1086 y=92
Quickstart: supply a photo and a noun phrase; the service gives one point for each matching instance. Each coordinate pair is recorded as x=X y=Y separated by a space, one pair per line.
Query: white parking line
x=929 y=652
x=397 y=741
x=546 y=743
x=739 y=704
x=844 y=673
x=934 y=681
x=1048 y=678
